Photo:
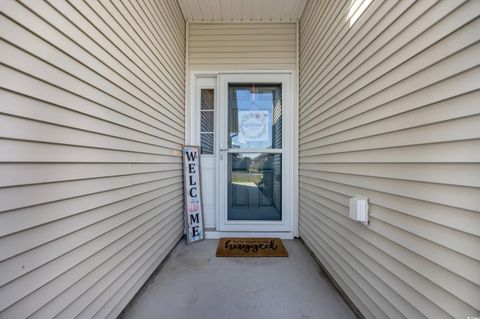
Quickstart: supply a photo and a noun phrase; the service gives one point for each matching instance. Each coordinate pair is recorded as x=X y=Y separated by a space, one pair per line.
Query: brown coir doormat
x=251 y=247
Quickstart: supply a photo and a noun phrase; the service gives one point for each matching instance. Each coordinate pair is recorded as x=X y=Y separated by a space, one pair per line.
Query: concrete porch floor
x=193 y=283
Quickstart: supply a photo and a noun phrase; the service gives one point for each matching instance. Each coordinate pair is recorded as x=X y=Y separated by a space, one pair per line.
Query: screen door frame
x=285 y=224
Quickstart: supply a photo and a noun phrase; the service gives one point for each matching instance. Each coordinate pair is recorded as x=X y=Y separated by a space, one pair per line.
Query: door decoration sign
x=253 y=126
x=193 y=202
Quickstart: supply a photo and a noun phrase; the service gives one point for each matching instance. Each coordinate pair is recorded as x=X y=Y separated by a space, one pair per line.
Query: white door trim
x=192 y=136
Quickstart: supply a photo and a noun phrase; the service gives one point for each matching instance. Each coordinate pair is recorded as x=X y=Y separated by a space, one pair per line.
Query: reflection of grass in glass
x=246 y=178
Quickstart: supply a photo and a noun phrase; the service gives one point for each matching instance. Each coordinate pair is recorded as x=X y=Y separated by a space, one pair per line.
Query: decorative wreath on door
x=247 y=126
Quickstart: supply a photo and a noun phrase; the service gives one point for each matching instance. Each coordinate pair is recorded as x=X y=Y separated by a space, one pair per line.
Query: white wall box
x=358 y=209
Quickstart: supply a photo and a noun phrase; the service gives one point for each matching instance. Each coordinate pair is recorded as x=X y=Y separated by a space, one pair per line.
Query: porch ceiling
x=241 y=10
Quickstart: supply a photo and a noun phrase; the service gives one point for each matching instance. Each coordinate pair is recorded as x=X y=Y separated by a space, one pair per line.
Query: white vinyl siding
x=91 y=130
x=389 y=108
x=242 y=46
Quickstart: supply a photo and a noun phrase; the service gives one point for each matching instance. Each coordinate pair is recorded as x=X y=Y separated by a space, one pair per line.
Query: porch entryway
x=193 y=283
x=245 y=123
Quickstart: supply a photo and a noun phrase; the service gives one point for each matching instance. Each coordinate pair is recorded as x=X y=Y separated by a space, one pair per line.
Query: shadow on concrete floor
x=193 y=283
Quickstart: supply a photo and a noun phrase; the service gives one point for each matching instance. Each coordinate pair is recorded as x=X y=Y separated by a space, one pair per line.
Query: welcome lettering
x=193 y=207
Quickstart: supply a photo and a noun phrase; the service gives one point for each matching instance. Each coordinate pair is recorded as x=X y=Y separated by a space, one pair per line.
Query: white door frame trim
x=192 y=129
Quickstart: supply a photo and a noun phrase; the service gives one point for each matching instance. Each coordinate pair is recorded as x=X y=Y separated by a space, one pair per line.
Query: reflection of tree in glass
x=240 y=163
x=262 y=162
x=243 y=170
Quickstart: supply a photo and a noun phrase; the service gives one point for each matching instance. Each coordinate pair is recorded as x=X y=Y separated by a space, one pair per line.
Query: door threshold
x=213 y=234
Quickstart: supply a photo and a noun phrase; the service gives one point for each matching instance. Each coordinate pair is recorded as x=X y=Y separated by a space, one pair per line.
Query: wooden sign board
x=193 y=201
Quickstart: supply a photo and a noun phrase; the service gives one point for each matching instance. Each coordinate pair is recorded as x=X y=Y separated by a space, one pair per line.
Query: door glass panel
x=207 y=124
x=254 y=186
x=207 y=99
x=207 y=143
x=254 y=116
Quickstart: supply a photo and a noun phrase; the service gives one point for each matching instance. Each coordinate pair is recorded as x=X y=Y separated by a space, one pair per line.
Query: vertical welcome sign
x=193 y=201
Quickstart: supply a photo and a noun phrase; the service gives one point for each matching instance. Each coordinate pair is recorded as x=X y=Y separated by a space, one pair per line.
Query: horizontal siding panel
x=359 y=47
x=123 y=26
x=463 y=61
x=41 y=93
x=133 y=285
x=242 y=49
x=242 y=26
x=389 y=269
x=375 y=20
x=398 y=295
x=28 y=41
x=452 y=130
x=380 y=120
x=462 y=243
x=242 y=46
x=380 y=54
x=367 y=284
x=240 y=67
x=443 y=90
x=272 y=44
x=466 y=196
x=156 y=243
x=27 y=151
x=451 y=174
x=33 y=109
x=55 y=41
x=459 y=219
x=240 y=37
x=42 y=275
x=35 y=68
x=249 y=55
x=44 y=193
x=199 y=33
x=97 y=265
x=247 y=60
x=344 y=276
x=91 y=129
x=129 y=269
x=389 y=110
x=24 y=129
x=36 y=215
x=430 y=250
x=14 y=174
x=465 y=152
x=66 y=235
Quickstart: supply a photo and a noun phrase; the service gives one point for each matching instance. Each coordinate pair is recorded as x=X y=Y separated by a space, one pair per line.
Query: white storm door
x=254 y=167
